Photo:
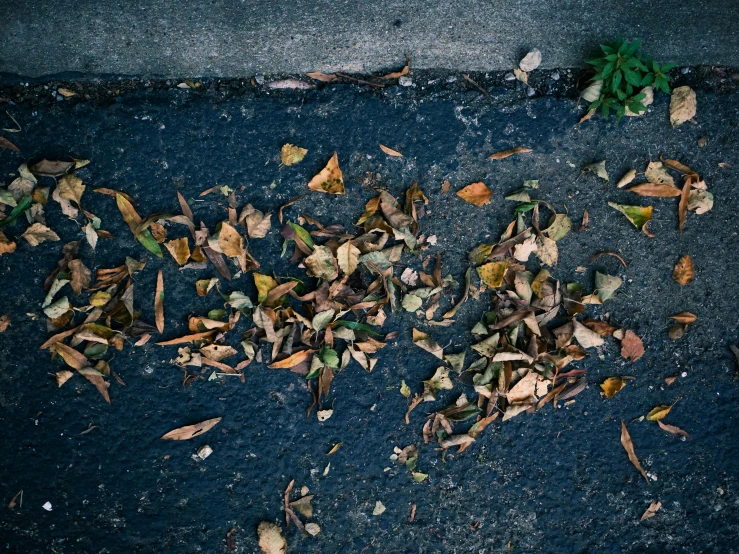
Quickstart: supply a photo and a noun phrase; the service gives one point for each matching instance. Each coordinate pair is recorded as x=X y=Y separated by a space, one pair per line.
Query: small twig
x=18 y=130
x=482 y=90
x=345 y=76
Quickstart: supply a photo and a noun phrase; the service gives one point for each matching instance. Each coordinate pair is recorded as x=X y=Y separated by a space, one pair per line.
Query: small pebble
x=685 y=70
x=510 y=77
x=530 y=92
x=451 y=79
x=259 y=79
x=555 y=76
x=405 y=81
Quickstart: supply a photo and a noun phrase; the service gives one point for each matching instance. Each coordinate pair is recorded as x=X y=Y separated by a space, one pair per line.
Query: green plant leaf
x=638 y=215
x=21 y=207
x=149 y=243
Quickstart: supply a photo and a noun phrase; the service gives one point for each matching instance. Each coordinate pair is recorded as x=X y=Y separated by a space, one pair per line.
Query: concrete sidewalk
x=240 y=38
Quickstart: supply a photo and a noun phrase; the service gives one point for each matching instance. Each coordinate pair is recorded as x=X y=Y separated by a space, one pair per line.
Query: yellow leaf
x=492 y=273
x=612 y=385
x=291 y=154
x=348 y=257
x=329 y=179
x=659 y=412
x=264 y=284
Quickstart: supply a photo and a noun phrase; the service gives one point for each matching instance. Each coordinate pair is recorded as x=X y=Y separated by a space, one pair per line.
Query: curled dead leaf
x=476 y=193
x=329 y=179
x=684 y=270
x=190 y=431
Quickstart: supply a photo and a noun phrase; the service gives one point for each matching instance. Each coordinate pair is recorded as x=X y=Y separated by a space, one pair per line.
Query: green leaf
x=606 y=285
x=302 y=233
x=329 y=357
x=638 y=215
x=525 y=207
x=667 y=67
x=149 y=243
x=22 y=206
x=356 y=326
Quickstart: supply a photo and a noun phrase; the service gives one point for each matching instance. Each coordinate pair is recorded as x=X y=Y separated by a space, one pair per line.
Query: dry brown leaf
x=79 y=276
x=445 y=186
x=661 y=190
x=612 y=385
x=683 y=105
x=79 y=362
x=684 y=317
x=402 y=72
x=492 y=273
x=632 y=347
x=180 y=250
x=188 y=338
x=627 y=178
x=6 y=144
x=159 y=302
x=291 y=154
x=651 y=510
x=71 y=188
x=329 y=179
x=584 y=336
x=218 y=352
x=4 y=323
x=271 y=540
x=191 y=431
x=476 y=193
x=258 y=223
x=422 y=340
x=323 y=77
x=38 y=233
x=291 y=361
x=507 y=153
x=230 y=241
x=322 y=264
x=390 y=151
x=6 y=246
x=674 y=430
x=629 y=447
x=656 y=173
x=347 y=256
x=684 y=270
x=682 y=208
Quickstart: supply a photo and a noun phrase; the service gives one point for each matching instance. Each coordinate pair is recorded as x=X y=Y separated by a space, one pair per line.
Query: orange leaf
x=189 y=431
x=291 y=361
x=682 y=208
x=507 y=153
x=390 y=151
x=476 y=193
x=684 y=317
x=188 y=338
x=684 y=270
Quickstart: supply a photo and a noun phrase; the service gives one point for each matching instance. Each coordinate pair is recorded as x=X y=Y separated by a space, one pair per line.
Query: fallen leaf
x=271 y=540
x=632 y=347
x=684 y=270
x=218 y=352
x=684 y=317
x=323 y=77
x=682 y=208
x=422 y=340
x=592 y=92
x=672 y=429
x=289 y=84
x=402 y=72
x=585 y=337
x=292 y=361
x=79 y=276
x=510 y=152
x=655 y=189
x=258 y=223
x=656 y=173
x=606 y=285
x=6 y=246
x=230 y=241
x=660 y=412
x=476 y=193
x=522 y=251
x=191 y=431
x=291 y=154
x=50 y=168
x=599 y=168
x=530 y=61
x=638 y=215
x=521 y=75
x=79 y=362
x=445 y=186
x=628 y=177
x=347 y=256
x=4 y=323
x=322 y=264
x=700 y=201
x=180 y=250
x=5 y=144
x=648 y=100
x=492 y=273
x=683 y=105
x=312 y=529
x=71 y=188
x=159 y=302
x=390 y=151
x=612 y=385
x=379 y=508
x=651 y=510
x=38 y=233
x=629 y=447
x=329 y=179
